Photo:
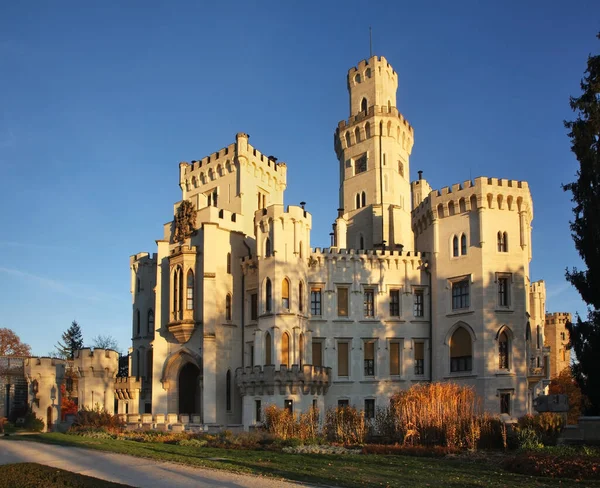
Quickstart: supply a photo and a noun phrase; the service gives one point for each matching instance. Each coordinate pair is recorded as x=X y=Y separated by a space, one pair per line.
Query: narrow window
x=228 y=307
x=369 y=303
x=150 y=321
x=460 y=294
x=289 y=406
x=317 y=353
x=418 y=303
x=503 y=351
x=347 y=139
x=315 y=301
x=285 y=349
x=419 y=358
x=502 y=242
x=460 y=351
x=215 y=198
x=505 y=403
x=357 y=134
x=363 y=199
x=357 y=200
x=301 y=349
x=268 y=247
x=139 y=286
x=257 y=410
x=228 y=392
x=267 y=349
x=138 y=324
x=367 y=130
x=285 y=294
x=538 y=334
x=268 y=295
x=176 y=292
x=503 y=292
x=363 y=105
x=361 y=243
x=300 y=297
x=369 y=360
x=342 y=302
x=342 y=359
x=190 y=291
x=455 y=246
x=395 y=358
x=395 y=303
x=254 y=306
x=369 y=408
x=505 y=239
x=181 y=291
x=463 y=245
x=228 y=263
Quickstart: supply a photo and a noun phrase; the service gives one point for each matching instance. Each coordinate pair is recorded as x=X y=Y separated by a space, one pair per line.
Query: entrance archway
x=189 y=386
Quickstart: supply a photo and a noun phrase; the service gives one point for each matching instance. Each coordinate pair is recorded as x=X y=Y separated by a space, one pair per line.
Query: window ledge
x=395 y=318
x=349 y=321
x=468 y=374
x=318 y=319
x=468 y=311
x=228 y=324
x=285 y=313
x=342 y=382
x=369 y=321
x=505 y=373
x=504 y=310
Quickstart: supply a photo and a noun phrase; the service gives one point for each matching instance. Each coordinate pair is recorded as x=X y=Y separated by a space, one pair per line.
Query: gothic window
x=357 y=134
x=455 y=246
x=228 y=307
x=367 y=130
x=190 y=291
x=348 y=142
x=268 y=351
x=268 y=295
x=503 y=351
x=268 y=247
x=300 y=297
x=358 y=200
x=363 y=199
x=502 y=241
x=254 y=306
x=285 y=294
x=461 y=355
x=463 y=244
x=363 y=105
x=361 y=164
x=285 y=349
x=138 y=324
x=357 y=78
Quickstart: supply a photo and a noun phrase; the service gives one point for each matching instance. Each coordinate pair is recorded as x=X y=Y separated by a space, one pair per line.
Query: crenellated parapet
x=292 y=213
x=127 y=388
x=279 y=230
x=319 y=257
x=96 y=363
x=268 y=380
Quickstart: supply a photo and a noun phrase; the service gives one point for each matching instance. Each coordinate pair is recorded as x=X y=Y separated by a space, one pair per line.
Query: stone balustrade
x=267 y=380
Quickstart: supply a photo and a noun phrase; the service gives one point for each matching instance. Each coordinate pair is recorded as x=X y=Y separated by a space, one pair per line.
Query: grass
x=345 y=470
x=32 y=475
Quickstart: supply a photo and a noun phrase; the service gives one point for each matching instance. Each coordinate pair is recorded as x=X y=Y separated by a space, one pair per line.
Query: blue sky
x=99 y=101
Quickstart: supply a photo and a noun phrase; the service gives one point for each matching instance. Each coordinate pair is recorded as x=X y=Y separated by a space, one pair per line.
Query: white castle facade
x=235 y=311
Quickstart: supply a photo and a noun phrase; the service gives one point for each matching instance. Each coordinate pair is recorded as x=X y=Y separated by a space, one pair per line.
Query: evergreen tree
x=72 y=340
x=584 y=133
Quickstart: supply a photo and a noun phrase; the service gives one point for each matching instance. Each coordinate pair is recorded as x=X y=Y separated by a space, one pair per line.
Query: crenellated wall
x=97 y=370
x=44 y=377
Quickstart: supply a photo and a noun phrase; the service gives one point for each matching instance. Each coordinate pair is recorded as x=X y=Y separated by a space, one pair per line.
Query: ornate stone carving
x=185 y=221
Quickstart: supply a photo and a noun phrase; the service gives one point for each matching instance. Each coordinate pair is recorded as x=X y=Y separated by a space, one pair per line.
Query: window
x=505 y=403
x=562 y=336
x=289 y=406
x=395 y=303
x=418 y=303
x=419 y=353
x=257 y=410
x=254 y=306
x=228 y=390
x=395 y=358
x=190 y=291
x=369 y=408
x=268 y=346
x=315 y=301
x=503 y=291
x=150 y=321
x=301 y=349
x=342 y=359
x=228 y=307
x=348 y=142
x=455 y=246
x=358 y=200
x=363 y=199
x=343 y=403
x=138 y=324
x=369 y=303
x=363 y=105
x=285 y=294
x=268 y=247
x=502 y=241
x=357 y=134
x=463 y=245
x=285 y=349
x=342 y=302
x=228 y=263
x=369 y=361
x=317 y=353
x=460 y=351
x=268 y=295
x=503 y=351
x=460 y=294
x=300 y=297
x=367 y=130
x=360 y=164
x=177 y=293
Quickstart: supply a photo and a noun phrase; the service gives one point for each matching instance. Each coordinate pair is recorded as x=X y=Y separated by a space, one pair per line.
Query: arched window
x=138 y=324
x=363 y=199
x=176 y=287
x=285 y=349
x=268 y=295
x=268 y=247
x=461 y=206
x=268 y=349
x=451 y=208
x=348 y=139
x=502 y=241
x=503 y=350
x=461 y=351
x=150 y=321
x=367 y=130
x=363 y=105
x=301 y=350
x=463 y=244
x=190 y=291
x=357 y=78
x=368 y=73
x=455 y=246
x=285 y=294
x=300 y=297
x=357 y=200
x=228 y=390
x=228 y=263
x=357 y=134
x=228 y=307
x=505 y=238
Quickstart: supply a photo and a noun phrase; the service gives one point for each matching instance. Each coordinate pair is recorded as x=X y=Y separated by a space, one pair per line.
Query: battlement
x=292 y=212
x=375 y=63
x=556 y=316
x=379 y=110
x=318 y=256
x=97 y=360
x=44 y=363
x=538 y=287
x=143 y=259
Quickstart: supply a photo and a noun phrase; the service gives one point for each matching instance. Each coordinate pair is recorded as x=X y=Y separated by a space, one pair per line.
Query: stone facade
x=556 y=337
x=236 y=311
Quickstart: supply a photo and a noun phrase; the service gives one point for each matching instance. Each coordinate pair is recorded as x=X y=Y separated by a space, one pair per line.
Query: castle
x=235 y=311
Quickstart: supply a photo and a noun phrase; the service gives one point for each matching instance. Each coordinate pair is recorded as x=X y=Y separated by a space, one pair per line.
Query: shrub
x=281 y=423
x=546 y=425
x=345 y=425
x=528 y=438
x=32 y=422
x=97 y=419
x=193 y=442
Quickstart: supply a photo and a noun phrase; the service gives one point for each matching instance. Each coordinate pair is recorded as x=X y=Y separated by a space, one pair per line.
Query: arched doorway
x=189 y=398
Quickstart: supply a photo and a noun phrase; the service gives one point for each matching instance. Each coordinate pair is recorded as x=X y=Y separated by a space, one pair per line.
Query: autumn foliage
x=11 y=345
x=565 y=384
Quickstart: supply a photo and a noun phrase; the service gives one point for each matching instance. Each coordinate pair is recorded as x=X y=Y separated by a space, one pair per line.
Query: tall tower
x=373 y=148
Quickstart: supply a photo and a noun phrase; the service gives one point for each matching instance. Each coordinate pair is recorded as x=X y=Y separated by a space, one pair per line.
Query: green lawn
x=346 y=470
x=32 y=475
